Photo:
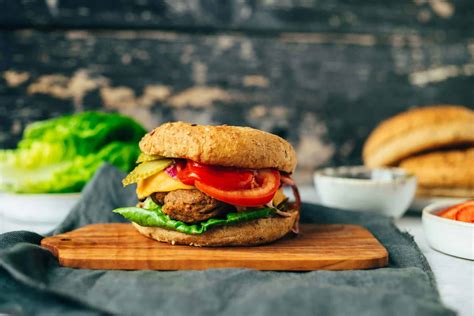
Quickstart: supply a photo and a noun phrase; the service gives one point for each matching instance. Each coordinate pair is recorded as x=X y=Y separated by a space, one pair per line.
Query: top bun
x=416 y=131
x=231 y=146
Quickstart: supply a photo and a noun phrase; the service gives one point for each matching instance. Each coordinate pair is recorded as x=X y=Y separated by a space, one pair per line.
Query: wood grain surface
x=121 y=247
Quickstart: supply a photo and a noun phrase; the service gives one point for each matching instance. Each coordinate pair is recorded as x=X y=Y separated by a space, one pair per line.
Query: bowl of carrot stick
x=449 y=228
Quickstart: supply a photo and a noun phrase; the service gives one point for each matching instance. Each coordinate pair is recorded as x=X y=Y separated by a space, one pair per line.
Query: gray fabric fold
x=32 y=282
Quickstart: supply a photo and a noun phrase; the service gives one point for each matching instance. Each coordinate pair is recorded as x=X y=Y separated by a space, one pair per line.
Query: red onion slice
x=172 y=171
x=290 y=182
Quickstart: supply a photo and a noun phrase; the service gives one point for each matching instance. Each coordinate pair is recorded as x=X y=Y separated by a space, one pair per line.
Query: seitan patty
x=190 y=206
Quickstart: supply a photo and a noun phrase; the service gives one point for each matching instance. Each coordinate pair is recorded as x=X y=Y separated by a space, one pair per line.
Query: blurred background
x=320 y=73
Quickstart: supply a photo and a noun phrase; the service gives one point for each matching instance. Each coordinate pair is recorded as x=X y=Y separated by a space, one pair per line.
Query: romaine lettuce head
x=62 y=154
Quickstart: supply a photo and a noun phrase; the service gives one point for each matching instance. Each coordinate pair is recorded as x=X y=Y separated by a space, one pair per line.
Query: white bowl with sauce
x=446 y=235
x=387 y=191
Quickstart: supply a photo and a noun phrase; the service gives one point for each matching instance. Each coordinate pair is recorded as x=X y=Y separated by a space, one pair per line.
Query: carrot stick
x=450 y=212
x=453 y=211
x=466 y=214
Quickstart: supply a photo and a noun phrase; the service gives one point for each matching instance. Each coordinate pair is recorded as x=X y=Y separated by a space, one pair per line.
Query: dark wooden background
x=319 y=73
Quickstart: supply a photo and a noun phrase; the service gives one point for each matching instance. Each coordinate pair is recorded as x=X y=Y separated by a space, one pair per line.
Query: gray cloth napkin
x=32 y=282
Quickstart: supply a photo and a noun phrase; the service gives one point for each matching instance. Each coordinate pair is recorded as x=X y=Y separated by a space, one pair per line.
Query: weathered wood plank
x=324 y=92
x=262 y=15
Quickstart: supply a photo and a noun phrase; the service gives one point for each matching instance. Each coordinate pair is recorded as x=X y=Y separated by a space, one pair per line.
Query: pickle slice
x=144 y=157
x=145 y=170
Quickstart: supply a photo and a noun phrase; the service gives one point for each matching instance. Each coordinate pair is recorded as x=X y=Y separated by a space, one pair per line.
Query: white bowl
x=37 y=208
x=387 y=191
x=446 y=235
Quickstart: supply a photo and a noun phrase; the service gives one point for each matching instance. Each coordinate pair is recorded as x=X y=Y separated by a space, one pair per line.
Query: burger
x=213 y=186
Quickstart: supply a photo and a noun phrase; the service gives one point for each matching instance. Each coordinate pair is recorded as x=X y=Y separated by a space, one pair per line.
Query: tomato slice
x=224 y=178
x=268 y=182
x=184 y=175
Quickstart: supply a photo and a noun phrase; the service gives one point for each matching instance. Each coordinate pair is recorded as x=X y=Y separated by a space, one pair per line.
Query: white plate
x=446 y=235
x=37 y=208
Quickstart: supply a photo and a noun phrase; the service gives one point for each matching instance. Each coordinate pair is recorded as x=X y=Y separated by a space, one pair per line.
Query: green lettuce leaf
x=152 y=215
x=62 y=154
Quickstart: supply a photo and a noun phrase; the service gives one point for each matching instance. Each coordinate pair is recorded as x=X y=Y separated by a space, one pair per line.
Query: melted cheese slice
x=279 y=197
x=160 y=182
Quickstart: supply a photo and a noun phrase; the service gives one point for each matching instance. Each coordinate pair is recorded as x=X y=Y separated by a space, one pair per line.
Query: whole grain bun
x=416 y=131
x=231 y=146
x=445 y=192
x=443 y=173
x=255 y=232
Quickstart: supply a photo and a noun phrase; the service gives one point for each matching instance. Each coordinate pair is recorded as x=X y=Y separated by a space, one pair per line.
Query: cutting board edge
x=378 y=260
x=333 y=265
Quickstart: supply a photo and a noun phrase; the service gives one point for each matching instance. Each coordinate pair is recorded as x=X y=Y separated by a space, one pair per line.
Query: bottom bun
x=443 y=169
x=255 y=232
x=445 y=192
x=446 y=173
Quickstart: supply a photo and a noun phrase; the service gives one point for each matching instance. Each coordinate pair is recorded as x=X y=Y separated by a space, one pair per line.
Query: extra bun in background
x=251 y=233
x=435 y=143
x=443 y=173
x=416 y=131
x=231 y=146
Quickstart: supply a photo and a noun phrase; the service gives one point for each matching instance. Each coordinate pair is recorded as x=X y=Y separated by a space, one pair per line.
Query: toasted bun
x=418 y=130
x=231 y=146
x=443 y=173
x=255 y=232
x=453 y=168
x=445 y=192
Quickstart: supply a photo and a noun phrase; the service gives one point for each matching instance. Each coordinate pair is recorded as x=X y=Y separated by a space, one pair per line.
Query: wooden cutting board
x=120 y=246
